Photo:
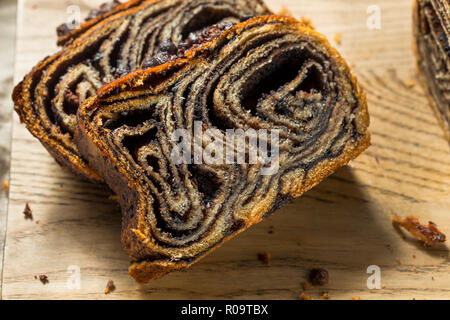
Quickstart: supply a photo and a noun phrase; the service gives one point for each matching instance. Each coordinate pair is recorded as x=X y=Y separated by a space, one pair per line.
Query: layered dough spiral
x=269 y=73
x=105 y=48
x=432 y=48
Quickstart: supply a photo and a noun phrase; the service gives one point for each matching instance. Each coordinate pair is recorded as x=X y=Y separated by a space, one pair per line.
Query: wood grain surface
x=343 y=225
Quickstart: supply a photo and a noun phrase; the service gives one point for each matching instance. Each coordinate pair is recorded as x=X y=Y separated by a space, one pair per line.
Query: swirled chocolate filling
x=270 y=80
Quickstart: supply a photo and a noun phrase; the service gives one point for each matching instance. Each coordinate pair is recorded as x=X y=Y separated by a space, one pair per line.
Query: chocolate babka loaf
x=432 y=46
x=133 y=35
x=159 y=138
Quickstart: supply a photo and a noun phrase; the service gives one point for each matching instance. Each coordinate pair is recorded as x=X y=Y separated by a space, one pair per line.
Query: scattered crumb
x=356 y=298
x=285 y=12
x=383 y=287
x=411 y=84
x=415 y=270
x=325 y=296
x=318 y=277
x=110 y=287
x=43 y=278
x=432 y=278
x=264 y=258
x=28 y=213
x=306 y=286
x=5 y=185
x=429 y=235
x=337 y=38
x=271 y=230
x=307 y=22
x=414 y=256
x=34 y=6
x=398 y=261
x=352 y=64
x=37 y=222
x=305 y=297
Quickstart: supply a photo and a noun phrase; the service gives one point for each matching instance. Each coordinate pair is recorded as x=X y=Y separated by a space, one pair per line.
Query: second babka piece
x=133 y=35
x=432 y=46
x=202 y=148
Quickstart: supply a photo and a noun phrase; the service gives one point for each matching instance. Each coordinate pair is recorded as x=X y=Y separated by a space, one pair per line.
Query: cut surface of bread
x=432 y=48
x=269 y=74
x=122 y=38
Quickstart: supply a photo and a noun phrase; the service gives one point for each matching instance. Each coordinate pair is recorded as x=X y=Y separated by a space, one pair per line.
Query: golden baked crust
x=131 y=36
x=267 y=73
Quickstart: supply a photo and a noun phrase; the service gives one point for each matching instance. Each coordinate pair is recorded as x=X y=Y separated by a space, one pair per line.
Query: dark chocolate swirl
x=267 y=74
x=432 y=45
x=118 y=39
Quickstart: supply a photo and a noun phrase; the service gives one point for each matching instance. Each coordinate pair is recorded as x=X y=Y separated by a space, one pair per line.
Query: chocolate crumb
x=110 y=287
x=71 y=97
x=27 y=212
x=104 y=8
x=264 y=258
x=430 y=235
x=65 y=28
x=44 y=279
x=318 y=277
x=5 y=185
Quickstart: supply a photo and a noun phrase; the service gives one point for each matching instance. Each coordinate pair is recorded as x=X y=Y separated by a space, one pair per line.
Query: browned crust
x=100 y=157
x=59 y=149
x=444 y=125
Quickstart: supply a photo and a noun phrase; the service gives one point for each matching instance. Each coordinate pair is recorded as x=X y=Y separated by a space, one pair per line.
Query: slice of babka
x=202 y=148
x=432 y=48
x=133 y=35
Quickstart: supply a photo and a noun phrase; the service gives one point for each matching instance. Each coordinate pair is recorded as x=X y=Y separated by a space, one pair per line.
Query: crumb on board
x=414 y=256
x=352 y=64
x=110 y=287
x=415 y=270
x=284 y=12
x=356 y=298
x=337 y=37
x=307 y=22
x=411 y=84
x=318 y=276
x=398 y=261
x=43 y=279
x=5 y=185
x=28 y=214
x=430 y=235
x=305 y=297
x=264 y=257
x=271 y=230
x=325 y=296
x=306 y=285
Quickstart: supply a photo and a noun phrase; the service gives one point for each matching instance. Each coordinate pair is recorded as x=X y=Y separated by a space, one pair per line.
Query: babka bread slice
x=432 y=48
x=177 y=142
x=133 y=35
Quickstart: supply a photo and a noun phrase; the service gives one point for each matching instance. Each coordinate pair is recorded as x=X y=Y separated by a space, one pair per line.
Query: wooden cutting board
x=343 y=225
